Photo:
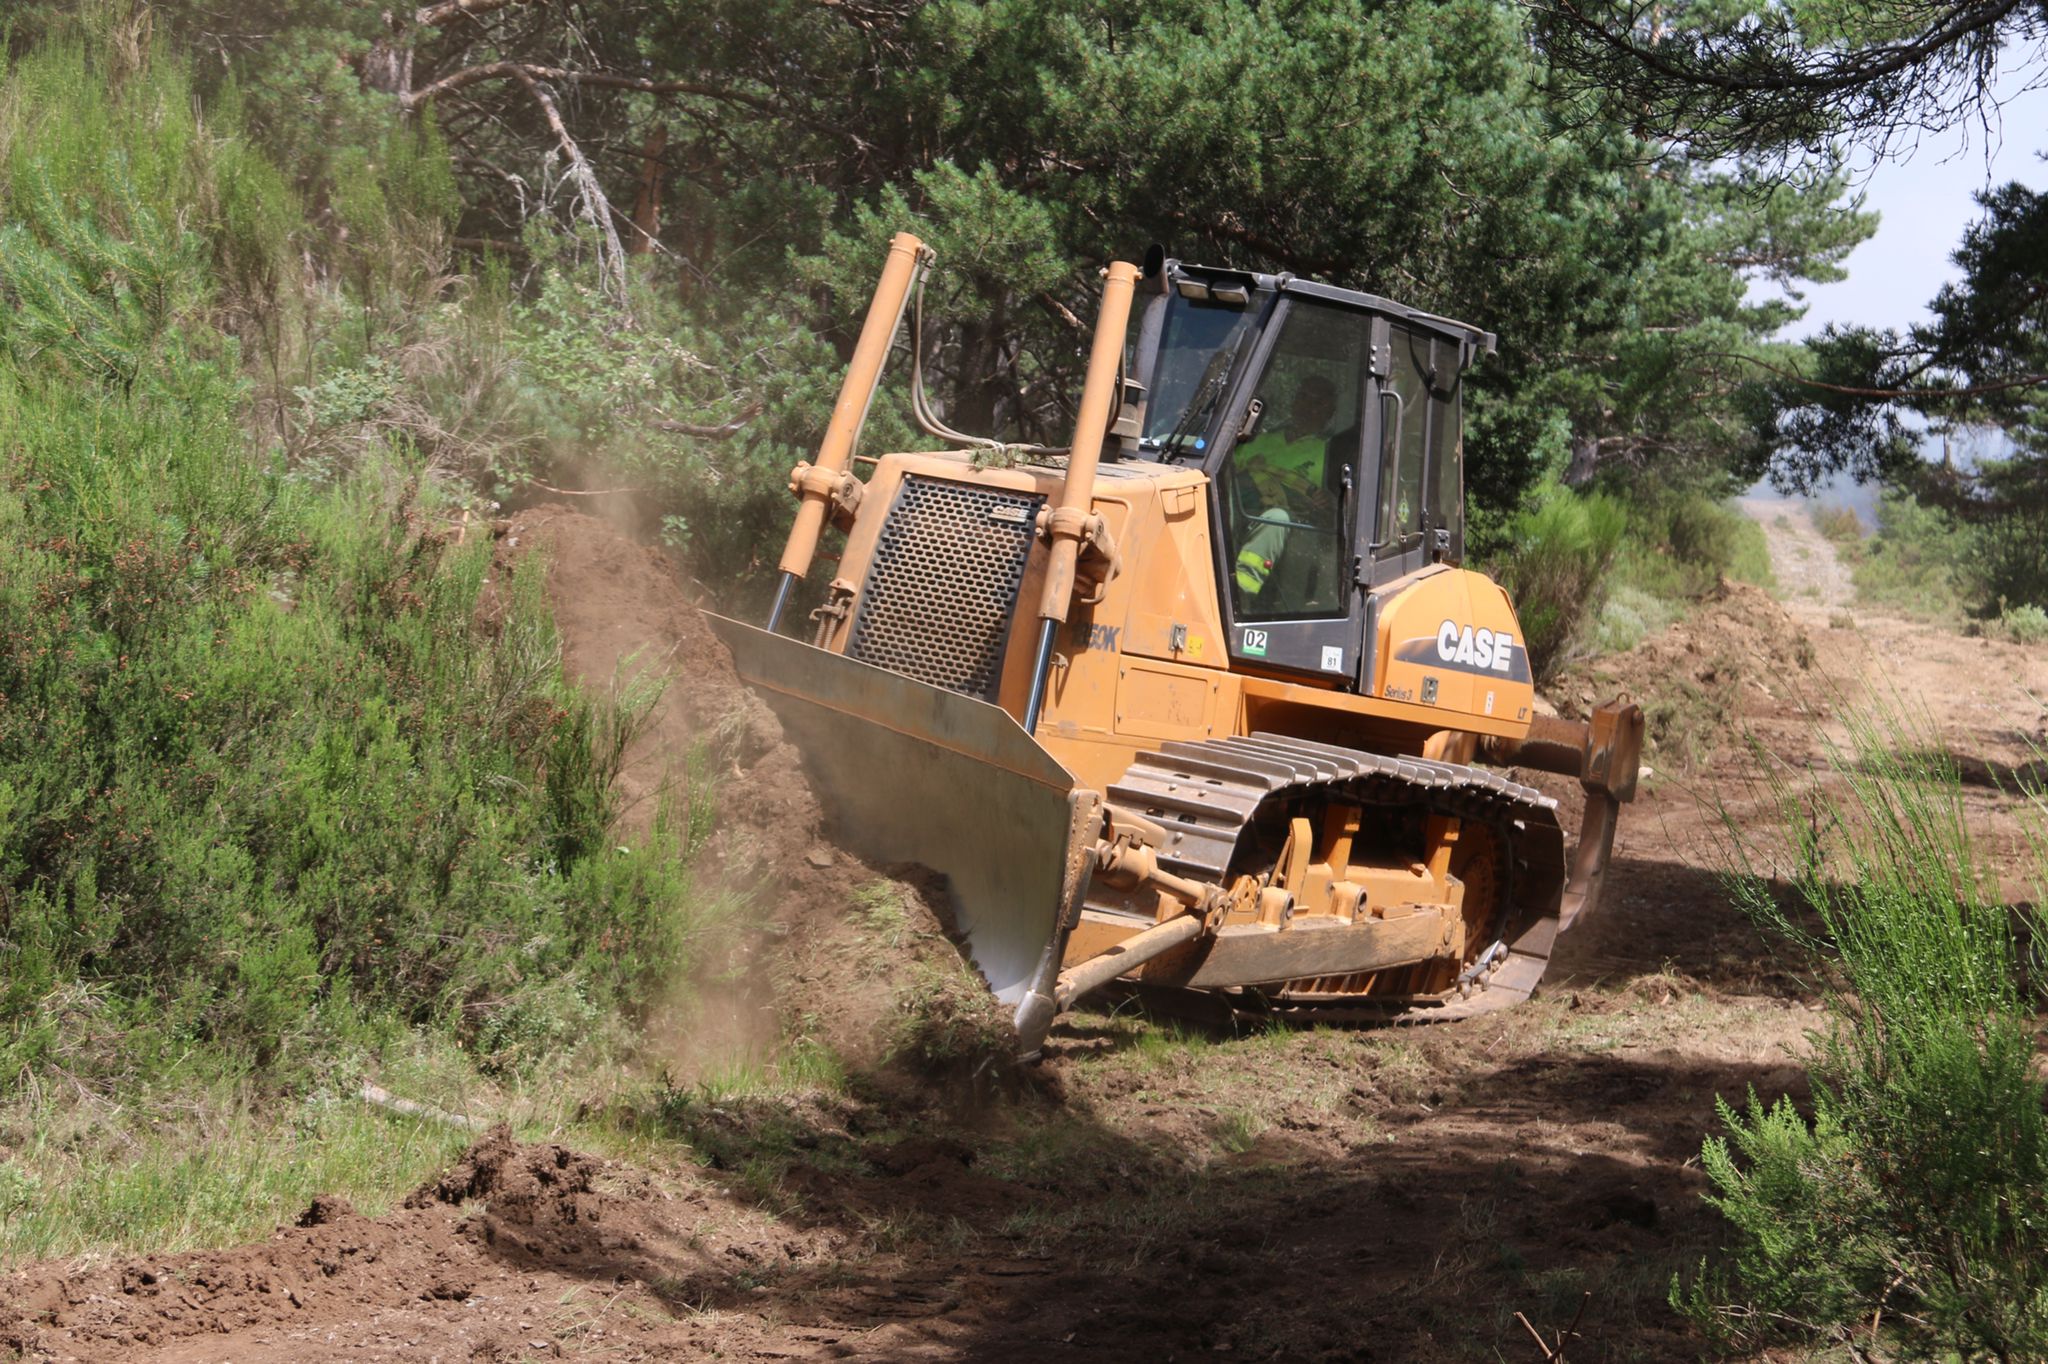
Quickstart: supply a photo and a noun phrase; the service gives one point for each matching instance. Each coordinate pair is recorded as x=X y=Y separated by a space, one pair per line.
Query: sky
x=1923 y=199
x=1924 y=202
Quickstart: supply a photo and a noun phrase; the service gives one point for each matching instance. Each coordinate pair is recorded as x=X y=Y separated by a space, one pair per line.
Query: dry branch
x=611 y=256
x=434 y=16
x=456 y=81
x=385 y=1099
x=1061 y=311
x=722 y=432
x=489 y=71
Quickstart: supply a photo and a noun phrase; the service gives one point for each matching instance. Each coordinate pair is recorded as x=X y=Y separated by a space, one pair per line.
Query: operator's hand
x=1314 y=505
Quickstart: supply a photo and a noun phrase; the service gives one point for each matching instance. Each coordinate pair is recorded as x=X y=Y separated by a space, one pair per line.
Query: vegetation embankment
x=291 y=783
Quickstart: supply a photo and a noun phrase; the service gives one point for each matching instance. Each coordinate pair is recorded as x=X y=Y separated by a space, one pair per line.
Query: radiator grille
x=943 y=584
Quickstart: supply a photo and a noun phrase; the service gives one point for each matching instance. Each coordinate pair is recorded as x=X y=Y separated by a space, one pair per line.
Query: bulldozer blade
x=909 y=772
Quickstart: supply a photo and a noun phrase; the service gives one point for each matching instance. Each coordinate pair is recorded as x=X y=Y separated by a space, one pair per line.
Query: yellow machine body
x=1149 y=662
x=1122 y=786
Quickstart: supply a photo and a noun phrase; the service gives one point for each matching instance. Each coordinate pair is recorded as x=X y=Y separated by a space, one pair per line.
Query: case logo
x=1464 y=649
x=1481 y=649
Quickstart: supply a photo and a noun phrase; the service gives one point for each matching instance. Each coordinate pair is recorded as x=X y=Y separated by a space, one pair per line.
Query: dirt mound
x=846 y=954
x=1739 y=658
x=622 y=613
x=482 y=1264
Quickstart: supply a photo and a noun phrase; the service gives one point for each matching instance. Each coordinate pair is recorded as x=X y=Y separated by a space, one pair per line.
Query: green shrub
x=1751 y=560
x=2008 y=559
x=1557 y=571
x=1918 y=1194
x=1703 y=535
x=1599 y=573
x=1685 y=543
x=1837 y=524
x=132 y=160
x=1927 y=560
x=1629 y=616
x=1917 y=562
x=2024 y=624
x=269 y=767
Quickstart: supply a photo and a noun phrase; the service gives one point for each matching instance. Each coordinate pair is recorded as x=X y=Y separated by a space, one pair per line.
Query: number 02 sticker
x=1255 y=643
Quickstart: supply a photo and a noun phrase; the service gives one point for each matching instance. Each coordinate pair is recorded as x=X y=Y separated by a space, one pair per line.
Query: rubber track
x=1208 y=792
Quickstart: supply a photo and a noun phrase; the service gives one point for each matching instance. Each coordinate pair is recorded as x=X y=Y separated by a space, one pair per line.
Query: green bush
x=1918 y=1194
x=1600 y=572
x=1917 y=562
x=2009 y=558
x=1704 y=535
x=1837 y=524
x=125 y=160
x=1557 y=571
x=1927 y=560
x=1682 y=544
x=2024 y=624
x=1629 y=616
x=273 y=761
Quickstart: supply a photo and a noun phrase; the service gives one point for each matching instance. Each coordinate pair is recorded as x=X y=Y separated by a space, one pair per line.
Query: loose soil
x=1151 y=1191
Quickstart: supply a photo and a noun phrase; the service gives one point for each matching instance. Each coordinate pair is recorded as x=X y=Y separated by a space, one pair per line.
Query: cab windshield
x=1197 y=343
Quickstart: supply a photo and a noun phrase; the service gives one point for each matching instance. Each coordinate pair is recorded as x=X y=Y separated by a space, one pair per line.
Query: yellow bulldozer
x=1235 y=747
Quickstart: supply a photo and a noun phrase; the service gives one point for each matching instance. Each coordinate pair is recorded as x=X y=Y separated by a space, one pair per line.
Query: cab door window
x=1446 y=454
x=1404 y=445
x=1286 y=484
x=1197 y=344
x=1420 y=508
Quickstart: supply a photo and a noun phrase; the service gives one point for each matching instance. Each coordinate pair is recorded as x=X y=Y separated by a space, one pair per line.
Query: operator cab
x=1329 y=423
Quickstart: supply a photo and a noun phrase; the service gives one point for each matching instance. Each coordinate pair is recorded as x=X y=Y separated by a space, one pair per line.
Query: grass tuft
x=198 y=1165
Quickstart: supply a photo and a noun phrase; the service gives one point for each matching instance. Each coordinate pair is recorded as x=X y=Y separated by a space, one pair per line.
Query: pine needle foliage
x=1913 y=1207
x=88 y=304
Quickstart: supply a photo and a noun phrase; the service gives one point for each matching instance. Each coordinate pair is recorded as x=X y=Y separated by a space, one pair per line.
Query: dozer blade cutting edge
x=913 y=773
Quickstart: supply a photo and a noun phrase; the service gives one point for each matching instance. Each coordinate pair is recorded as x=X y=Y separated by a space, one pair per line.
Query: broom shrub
x=1913 y=1202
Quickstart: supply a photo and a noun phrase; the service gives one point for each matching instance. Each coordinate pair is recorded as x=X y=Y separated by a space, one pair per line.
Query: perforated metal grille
x=943 y=584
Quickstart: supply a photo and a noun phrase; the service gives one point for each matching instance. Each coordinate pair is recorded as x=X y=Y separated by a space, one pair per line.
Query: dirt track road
x=1985 y=701
x=1147 y=1193
x=1813 y=583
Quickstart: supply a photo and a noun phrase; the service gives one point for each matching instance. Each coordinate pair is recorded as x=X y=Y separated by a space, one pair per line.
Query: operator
x=1282 y=471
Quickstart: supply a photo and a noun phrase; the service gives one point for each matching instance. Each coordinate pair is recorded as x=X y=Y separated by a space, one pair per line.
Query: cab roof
x=1168 y=271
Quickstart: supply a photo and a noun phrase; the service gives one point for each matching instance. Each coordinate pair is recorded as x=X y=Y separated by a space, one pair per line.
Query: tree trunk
x=974 y=385
x=1585 y=462
x=647 y=204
